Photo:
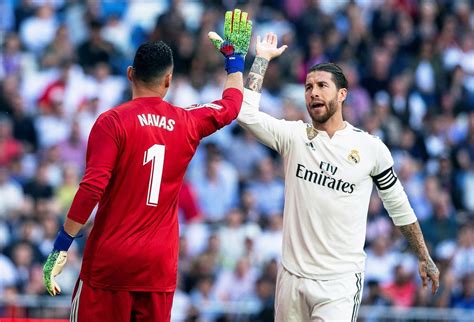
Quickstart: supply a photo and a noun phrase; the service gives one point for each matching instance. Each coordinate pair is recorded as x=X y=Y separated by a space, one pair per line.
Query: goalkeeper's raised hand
x=55 y=262
x=235 y=45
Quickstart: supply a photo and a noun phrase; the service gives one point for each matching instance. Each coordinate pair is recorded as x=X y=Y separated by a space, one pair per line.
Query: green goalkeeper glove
x=235 y=45
x=55 y=262
x=53 y=267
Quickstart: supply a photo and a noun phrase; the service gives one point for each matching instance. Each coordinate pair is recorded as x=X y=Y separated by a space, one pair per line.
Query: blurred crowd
x=410 y=67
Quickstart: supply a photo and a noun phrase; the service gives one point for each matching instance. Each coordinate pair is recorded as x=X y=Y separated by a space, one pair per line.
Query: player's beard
x=331 y=109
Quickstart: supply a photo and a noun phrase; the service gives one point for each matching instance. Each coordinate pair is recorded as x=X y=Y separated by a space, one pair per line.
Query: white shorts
x=301 y=299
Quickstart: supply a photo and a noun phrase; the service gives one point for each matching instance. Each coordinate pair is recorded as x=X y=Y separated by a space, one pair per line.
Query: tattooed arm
x=268 y=130
x=426 y=266
x=257 y=72
x=266 y=51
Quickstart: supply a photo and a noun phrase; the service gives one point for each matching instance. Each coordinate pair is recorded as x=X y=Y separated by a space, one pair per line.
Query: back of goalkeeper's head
x=152 y=66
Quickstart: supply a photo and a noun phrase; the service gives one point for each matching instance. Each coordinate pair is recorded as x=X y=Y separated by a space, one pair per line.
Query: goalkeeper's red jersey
x=137 y=156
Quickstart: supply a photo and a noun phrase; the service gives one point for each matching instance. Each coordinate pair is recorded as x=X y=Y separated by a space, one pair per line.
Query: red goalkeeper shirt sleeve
x=102 y=151
x=210 y=117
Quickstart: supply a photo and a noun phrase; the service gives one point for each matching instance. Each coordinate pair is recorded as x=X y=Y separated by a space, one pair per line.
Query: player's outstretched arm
x=58 y=256
x=210 y=117
x=266 y=50
x=234 y=46
x=426 y=266
x=268 y=130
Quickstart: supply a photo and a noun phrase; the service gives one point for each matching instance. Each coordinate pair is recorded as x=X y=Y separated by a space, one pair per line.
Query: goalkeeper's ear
x=130 y=73
x=168 y=78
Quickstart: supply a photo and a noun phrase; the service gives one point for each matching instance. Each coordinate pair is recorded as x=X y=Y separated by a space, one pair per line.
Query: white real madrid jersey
x=328 y=183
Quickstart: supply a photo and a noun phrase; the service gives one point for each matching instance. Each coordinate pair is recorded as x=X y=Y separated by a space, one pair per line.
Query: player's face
x=321 y=95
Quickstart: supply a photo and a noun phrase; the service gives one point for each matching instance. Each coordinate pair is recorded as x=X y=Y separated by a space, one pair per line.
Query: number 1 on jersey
x=155 y=154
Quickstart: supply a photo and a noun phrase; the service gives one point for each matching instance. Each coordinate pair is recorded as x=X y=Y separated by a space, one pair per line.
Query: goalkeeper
x=137 y=156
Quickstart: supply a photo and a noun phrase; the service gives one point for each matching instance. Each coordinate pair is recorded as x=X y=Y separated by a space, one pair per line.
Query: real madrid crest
x=354 y=156
x=311 y=132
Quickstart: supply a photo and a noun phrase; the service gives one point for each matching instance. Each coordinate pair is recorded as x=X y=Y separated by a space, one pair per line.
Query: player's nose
x=315 y=93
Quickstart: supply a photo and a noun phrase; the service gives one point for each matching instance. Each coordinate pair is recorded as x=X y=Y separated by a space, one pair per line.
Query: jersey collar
x=310 y=130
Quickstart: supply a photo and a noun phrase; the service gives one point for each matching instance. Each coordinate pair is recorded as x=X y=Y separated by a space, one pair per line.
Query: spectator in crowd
x=265 y=292
x=267 y=188
x=463 y=259
x=11 y=57
x=11 y=195
x=96 y=49
x=39 y=187
x=381 y=261
x=23 y=125
x=52 y=128
x=402 y=290
x=10 y=148
x=58 y=50
x=73 y=149
x=465 y=298
x=44 y=20
x=442 y=225
x=232 y=237
x=23 y=258
x=237 y=283
x=204 y=297
x=9 y=273
x=246 y=162
x=66 y=191
x=218 y=179
x=269 y=242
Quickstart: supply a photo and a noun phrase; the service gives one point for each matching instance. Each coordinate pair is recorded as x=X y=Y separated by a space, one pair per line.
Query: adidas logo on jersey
x=311 y=146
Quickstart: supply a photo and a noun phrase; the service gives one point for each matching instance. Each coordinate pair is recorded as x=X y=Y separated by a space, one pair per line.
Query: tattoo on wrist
x=255 y=79
x=259 y=66
x=412 y=233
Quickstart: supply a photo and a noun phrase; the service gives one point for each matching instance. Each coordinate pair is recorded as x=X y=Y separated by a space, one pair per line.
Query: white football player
x=330 y=167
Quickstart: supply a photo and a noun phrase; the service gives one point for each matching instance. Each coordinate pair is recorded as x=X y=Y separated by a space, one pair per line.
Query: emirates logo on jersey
x=354 y=156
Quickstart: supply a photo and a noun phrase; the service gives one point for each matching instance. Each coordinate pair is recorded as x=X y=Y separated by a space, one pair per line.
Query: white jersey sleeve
x=390 y=189
x=272 y=132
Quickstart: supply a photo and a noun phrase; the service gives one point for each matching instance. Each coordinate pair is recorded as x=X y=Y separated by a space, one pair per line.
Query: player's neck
x=140 y=91
x=331 y=126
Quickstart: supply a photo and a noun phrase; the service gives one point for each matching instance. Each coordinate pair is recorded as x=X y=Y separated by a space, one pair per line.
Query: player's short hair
x=338 y=76
x=151 y=61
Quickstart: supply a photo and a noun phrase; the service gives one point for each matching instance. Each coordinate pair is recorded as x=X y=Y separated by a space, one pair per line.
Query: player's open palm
x=267 y=46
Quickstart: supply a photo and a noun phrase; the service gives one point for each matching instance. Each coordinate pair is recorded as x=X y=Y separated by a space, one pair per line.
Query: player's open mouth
x=317 y=105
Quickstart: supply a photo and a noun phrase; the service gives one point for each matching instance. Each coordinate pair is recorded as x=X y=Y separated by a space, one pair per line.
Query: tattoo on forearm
x=255 y=79
x=259 y=66
x=254 y=82
x=413 y=234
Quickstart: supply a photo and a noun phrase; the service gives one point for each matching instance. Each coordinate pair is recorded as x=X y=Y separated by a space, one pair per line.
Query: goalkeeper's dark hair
x=338 y=76
x=151 y=61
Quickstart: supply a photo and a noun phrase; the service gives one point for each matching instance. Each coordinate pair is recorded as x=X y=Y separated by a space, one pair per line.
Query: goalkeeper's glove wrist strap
x=63 y=240
x=234 y=63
